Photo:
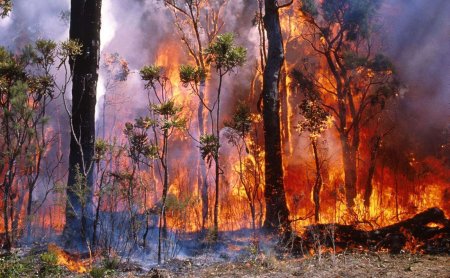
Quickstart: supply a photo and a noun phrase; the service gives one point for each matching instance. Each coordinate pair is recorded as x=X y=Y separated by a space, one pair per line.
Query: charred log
x=427 y=232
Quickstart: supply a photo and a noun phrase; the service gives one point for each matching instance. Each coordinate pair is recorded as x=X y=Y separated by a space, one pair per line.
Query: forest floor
x=348 y=265
x=361 y=264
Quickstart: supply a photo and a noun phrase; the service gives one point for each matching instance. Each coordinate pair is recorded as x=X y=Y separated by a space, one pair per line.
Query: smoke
x=417 y=41
x=32 y=20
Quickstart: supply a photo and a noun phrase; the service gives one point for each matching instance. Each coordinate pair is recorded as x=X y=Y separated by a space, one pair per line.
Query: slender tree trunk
x=29 y=208
x=85 y=25
x=162 y=233
x=216 y=158
x=6 y=194
x=317 y=183
x=202 y=180
x=277 y=213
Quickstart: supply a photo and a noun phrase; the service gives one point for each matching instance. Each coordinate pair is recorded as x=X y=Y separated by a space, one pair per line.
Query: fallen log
x=427 y=232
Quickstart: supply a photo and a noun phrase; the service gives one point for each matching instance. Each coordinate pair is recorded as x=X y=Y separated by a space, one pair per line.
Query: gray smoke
x=417 y=36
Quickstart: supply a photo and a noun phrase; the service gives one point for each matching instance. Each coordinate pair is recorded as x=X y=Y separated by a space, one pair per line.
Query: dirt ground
x=342 y=265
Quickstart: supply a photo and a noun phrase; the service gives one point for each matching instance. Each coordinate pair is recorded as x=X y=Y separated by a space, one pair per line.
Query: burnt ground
x=341 y=265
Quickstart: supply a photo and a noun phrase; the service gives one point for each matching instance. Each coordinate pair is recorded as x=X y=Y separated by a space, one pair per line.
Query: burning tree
x=356 y=81
x=242 y=133
x=315 y=121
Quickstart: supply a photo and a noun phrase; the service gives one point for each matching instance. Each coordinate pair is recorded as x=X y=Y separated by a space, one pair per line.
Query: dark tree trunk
x=317 y=183
x=277 y=213
x=85 y=24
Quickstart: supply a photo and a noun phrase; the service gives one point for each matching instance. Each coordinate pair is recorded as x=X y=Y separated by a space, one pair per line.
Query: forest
x=224 y=138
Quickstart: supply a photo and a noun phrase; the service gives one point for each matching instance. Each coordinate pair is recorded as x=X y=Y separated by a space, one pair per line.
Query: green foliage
x=209 y=147
x=11 y=69
x=49 y=265
x=381 y=63
x=70 y=49
x=139 y=146
x=191 y=74
x=224 y=54
x=100 y=149
x=151 y=73
x=46 y=50
x=167 y=108
x=11 y=266
x=111 y=263
x=241 y=120
x=240 y=124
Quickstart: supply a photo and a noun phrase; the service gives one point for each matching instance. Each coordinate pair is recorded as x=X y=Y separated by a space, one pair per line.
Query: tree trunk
x=85 y=25
x=318 y=182
x=202 y=180
x=217 y=162
x=277 y=213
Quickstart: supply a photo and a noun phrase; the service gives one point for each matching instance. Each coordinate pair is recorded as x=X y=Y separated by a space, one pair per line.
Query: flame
x=66 y=260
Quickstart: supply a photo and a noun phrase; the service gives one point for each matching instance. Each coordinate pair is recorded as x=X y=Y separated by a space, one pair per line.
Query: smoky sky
x=416 y=37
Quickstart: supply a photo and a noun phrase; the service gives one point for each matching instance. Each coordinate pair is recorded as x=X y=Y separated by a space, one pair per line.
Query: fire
x=64 y=259
x=395 y=194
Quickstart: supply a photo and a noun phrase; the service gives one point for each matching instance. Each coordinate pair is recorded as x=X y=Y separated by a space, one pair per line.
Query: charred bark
x=85 y=25
x=277 y=213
